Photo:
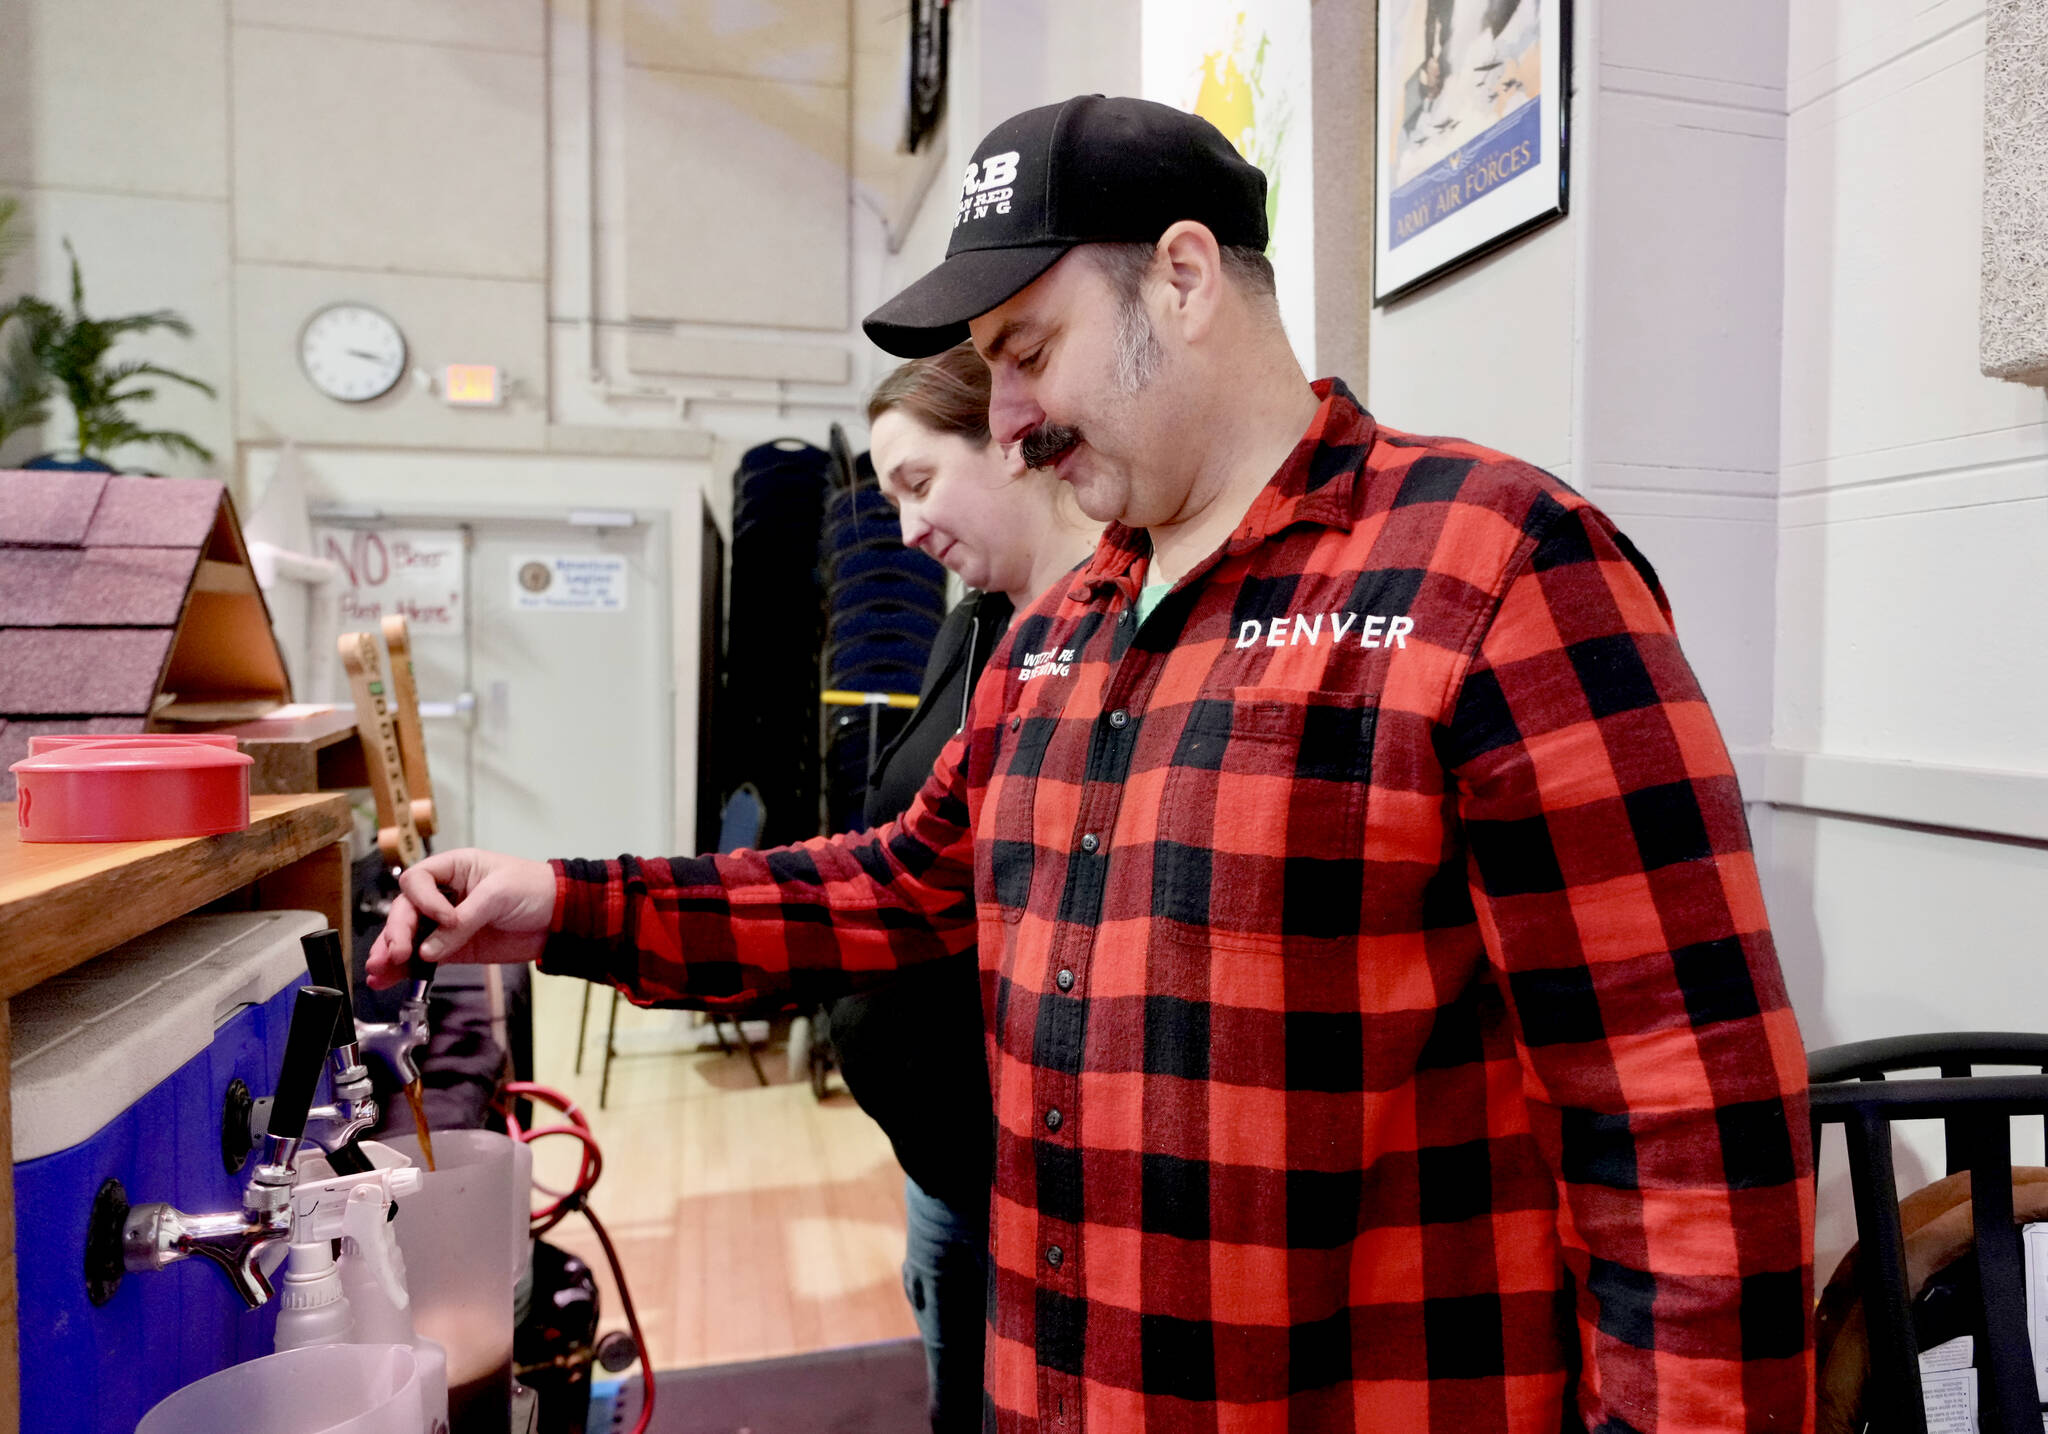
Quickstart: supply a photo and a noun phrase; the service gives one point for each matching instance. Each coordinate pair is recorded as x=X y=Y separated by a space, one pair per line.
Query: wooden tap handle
x=397 y=836
x=412 y=737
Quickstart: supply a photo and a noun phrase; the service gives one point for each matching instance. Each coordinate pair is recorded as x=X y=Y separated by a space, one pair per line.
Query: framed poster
x=1474 y=97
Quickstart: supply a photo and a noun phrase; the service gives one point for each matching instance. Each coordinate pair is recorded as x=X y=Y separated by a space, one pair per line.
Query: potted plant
x=73 y=351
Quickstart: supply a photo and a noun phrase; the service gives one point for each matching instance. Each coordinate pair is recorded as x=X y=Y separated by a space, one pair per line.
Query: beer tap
x=156 y=1235
x=399 y=833
x=395 y=1041
x=336 y=1127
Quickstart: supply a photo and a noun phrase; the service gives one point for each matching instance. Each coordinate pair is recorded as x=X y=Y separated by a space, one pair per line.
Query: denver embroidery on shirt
x=1378 y=630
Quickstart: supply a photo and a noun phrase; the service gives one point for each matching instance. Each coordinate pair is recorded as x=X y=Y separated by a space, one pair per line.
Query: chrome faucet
x=352 y=1114
x=156 y=1235
x=395 y=1041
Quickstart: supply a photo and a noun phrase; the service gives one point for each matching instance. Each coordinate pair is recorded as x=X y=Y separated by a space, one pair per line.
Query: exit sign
x=472 y=385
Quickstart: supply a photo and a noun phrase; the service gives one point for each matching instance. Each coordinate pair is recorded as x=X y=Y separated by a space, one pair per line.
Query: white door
x=549 y=713
x=572 y=746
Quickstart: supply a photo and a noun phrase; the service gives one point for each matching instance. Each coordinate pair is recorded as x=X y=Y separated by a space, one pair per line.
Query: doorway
x=545 y=688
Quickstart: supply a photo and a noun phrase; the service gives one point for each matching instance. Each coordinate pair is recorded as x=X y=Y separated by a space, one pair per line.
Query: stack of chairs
x=775 y=632
x=883 y=606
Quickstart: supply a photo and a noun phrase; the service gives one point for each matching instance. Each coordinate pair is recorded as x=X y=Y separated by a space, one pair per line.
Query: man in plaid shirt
x=1382 y=1016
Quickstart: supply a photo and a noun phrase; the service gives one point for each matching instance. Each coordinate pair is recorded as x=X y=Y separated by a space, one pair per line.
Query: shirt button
x=1119 y=719
x=1015 y=723
x=1089 y=843
x=1054 y=1255
x=1053 y=1119
x=1066 y=980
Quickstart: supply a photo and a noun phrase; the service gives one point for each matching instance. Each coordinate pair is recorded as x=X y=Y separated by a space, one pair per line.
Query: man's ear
x=1192 y=266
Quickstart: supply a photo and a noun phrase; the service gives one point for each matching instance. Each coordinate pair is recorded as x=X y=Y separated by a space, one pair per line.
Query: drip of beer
x=413 y=1093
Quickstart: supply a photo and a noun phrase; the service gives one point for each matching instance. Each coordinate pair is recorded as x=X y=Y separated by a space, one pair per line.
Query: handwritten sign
x=408 y=572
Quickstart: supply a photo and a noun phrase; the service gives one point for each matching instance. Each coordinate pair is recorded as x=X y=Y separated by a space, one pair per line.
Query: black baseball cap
x=1088 y=171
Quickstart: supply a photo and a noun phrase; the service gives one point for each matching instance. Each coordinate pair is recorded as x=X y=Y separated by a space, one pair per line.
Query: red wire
x=590 y=1166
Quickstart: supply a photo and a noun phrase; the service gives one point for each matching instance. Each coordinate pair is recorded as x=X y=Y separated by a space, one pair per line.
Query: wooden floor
x=751 y=1221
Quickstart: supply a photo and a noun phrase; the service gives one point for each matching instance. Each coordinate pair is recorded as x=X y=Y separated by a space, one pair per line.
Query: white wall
x=1682 y=304
x=1912 y=674
x=113 y=130
x=1915 y=499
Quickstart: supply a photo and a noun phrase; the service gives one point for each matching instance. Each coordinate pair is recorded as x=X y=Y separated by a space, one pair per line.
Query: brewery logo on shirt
x=1053 y=662
x=990 y=184
x=1296 y=629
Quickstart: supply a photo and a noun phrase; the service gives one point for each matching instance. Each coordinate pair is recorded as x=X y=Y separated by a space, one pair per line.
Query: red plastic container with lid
x=57 y=741
x=142 y=788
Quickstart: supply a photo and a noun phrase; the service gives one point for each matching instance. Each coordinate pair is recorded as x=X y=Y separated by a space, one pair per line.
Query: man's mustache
x=1043 y=445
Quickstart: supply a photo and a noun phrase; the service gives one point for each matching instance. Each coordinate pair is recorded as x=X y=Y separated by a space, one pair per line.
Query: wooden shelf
x=306 y=754
x=64 y=903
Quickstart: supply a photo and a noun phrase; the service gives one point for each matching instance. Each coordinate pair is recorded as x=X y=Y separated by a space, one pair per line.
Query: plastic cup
x=335 y=1389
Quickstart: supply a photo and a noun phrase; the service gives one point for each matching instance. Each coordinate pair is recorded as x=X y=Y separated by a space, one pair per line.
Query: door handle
x=462 y=709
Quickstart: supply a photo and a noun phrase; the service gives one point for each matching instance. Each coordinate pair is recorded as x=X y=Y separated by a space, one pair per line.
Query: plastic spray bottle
x=361 y=1298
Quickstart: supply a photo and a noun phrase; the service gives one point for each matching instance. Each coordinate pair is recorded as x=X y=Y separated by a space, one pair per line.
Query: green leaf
x=71 y=351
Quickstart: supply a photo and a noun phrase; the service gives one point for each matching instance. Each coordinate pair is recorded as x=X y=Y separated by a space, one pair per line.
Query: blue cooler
x=121 y=1070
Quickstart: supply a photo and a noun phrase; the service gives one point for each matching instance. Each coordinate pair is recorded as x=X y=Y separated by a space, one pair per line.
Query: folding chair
x=1851 y=1087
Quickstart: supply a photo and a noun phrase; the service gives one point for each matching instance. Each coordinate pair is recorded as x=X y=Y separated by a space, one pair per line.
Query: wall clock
x=352 y=352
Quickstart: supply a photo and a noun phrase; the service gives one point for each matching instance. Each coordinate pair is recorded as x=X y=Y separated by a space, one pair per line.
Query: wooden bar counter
x=62 y=904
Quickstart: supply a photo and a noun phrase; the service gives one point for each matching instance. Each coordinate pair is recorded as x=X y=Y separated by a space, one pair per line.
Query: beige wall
x=639 y=209
x=114 y=130
x=1911 y=865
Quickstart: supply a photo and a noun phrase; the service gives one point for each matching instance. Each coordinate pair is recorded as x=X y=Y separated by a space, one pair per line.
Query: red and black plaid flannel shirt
x=1383 y=1021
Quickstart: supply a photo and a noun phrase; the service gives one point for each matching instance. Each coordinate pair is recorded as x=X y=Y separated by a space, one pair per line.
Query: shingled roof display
x=126 y=605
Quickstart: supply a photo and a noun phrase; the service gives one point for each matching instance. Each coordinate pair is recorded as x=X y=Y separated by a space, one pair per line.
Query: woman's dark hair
x=947 y=393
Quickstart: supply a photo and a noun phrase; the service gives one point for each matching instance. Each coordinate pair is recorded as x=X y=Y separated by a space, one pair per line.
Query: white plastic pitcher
x=335 y=1389
x=457 y=1235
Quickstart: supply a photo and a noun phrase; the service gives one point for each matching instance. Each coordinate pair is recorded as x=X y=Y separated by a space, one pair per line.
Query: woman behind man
x=912 y=1054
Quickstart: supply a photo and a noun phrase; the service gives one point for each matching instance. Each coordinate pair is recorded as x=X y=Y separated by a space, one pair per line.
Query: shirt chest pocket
x=1261 y=825
x=1006 y=840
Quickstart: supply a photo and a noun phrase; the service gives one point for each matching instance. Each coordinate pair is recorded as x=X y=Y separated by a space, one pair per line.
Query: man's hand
x=501 y=912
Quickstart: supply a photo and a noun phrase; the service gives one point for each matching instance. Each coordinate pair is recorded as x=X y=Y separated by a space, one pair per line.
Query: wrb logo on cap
x=988 y=186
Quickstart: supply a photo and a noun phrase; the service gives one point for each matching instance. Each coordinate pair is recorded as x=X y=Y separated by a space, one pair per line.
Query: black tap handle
x=326 y=965
x=419 y=968
x=351 y=1159
x=305 y=1056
